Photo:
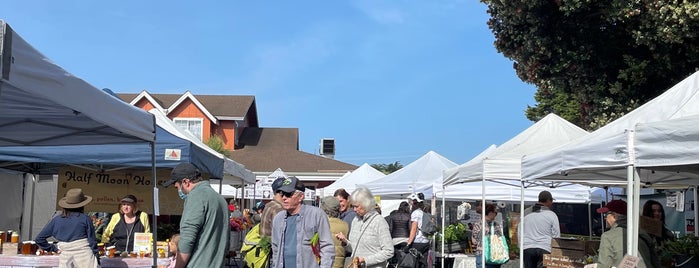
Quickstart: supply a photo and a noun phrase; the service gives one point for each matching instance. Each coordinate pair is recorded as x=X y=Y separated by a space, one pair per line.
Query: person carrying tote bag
x=477 y=239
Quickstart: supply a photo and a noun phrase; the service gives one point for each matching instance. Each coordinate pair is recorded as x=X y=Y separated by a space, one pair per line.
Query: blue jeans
x=479 y=263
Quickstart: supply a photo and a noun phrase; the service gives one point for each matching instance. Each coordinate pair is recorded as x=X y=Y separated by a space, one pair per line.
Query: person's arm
x=385 y=241
x=556 y=228
x=193 y=217
x=413 y=232
x=91 y=239
x=182 y=259
x=325 y=238
x=144 y=220
x=605 y=252
x=41 y=238
x=110 y=228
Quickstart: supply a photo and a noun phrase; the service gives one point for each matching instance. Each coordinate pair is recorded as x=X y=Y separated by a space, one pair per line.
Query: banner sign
x=108 y=187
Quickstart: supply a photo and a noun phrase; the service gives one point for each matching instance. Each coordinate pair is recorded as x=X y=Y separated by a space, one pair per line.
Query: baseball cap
x=277 y=183
x=330 y=203
x=616 y=206
x=181 y=171
x=415 y=196
x=129 y=199
x=545 y=196
x=291 y=184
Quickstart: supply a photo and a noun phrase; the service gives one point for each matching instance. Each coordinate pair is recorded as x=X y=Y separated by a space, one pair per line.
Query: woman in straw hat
x=77 y=245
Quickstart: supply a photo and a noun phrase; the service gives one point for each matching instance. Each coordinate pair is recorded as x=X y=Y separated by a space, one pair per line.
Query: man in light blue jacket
x=293 y=229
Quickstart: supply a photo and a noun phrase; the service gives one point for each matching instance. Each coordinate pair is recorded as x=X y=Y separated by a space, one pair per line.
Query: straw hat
x=75 y=198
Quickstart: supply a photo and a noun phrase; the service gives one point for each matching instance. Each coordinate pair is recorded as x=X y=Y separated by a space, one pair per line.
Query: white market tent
x=504 y=162
x=574 y=193
x=418 y=176
x=608 y=155
x=605 y=153
x=364 y=173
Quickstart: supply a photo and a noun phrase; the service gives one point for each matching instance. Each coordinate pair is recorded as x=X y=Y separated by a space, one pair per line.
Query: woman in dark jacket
x=123 y=225
x=399 y=225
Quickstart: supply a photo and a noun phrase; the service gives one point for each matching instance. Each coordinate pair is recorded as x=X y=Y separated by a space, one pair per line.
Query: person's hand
x=340 y=236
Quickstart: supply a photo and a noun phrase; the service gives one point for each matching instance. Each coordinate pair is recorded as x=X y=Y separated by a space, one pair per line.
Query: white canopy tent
x=608 y=155
x=418 y=176
x=504 y=162
x=351 y=179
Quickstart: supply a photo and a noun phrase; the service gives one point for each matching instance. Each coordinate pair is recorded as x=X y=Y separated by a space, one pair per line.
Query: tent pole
x=520 y=232
x=443 y=227
x=156 y=208
x=696 y=212
x=483 y=226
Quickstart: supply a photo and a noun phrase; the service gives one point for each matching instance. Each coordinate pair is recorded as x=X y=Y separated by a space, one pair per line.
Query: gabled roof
x=266 y=149
x=222 y=107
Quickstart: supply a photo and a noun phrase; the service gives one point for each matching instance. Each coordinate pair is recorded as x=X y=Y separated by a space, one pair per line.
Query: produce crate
x=569 y=253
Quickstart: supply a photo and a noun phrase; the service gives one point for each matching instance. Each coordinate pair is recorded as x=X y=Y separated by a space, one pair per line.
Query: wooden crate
x=569 y=253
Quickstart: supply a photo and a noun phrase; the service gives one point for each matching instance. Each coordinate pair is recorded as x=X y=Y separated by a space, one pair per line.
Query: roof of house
x=218 y=105
x=266 y=149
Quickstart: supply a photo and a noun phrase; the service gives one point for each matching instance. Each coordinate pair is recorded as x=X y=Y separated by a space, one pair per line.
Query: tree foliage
x=388 y=168
x=593 y=61
x=216 y=143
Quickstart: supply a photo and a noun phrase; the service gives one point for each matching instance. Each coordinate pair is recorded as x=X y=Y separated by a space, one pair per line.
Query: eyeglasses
x=288 y=195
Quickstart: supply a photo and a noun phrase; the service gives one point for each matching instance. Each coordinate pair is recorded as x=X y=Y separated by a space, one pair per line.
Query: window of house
x=193 y=125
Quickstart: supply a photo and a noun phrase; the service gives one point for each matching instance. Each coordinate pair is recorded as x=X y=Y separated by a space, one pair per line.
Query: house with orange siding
x=234 y=119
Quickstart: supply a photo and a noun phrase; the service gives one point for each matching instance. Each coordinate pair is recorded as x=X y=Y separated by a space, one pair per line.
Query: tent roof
x=571 y=193
x=605 y=153
x=418 y=176
x=364 y=173
x=106 y=156
x=43 y=104
x=504 y=162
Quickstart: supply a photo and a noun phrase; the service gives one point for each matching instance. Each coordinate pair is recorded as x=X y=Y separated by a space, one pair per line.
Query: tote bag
x=495 y=248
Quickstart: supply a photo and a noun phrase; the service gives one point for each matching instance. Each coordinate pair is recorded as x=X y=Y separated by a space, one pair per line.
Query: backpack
x=254 y=256
x=429 y=226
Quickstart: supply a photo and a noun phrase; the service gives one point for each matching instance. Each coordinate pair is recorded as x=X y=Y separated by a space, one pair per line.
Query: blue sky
x=388 y=80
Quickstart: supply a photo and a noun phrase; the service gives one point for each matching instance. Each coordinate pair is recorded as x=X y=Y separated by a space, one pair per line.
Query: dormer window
x=192 y=125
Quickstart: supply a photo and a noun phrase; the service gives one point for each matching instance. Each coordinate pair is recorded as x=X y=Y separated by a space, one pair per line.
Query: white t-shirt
x=416 y=216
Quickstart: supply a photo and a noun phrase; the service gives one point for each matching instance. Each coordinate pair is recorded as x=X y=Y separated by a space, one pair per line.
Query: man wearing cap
x=295 y=227
x=613 y=247
x=204 y=230
x=540 y=225
x=271 y=208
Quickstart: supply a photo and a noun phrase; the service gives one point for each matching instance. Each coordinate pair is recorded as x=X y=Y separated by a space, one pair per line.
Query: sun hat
x=181 y=171
x=75 y=198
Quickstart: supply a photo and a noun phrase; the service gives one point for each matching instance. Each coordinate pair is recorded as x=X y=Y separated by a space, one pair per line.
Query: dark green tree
x=388 y=168
x=593 y=61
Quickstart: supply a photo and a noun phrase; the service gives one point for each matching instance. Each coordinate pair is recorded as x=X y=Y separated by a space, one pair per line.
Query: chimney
x=327 y=148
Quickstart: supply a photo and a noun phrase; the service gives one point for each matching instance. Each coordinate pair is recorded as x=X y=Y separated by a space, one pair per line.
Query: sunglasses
x=288 y=195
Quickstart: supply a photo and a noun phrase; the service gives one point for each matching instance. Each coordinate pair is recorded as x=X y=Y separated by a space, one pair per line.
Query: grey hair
x=364 y=198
